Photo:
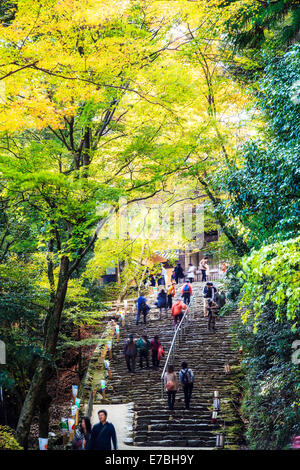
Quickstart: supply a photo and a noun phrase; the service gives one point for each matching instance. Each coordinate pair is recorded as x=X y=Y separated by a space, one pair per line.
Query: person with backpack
x=209 y=293
x=130 y=353
x=142 y=307
x=186 y=378
x=177 y=311
x=212 y=309
x=155 y=348
x=186 y=292
x=162 y=302
x=171 y=386
x=171 y=294
x=143 y=345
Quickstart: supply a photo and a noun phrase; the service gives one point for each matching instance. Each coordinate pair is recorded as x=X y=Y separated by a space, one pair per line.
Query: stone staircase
x=206 y=353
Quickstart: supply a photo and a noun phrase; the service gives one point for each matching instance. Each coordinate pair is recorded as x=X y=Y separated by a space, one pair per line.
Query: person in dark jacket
x=141 y=307
x=179 y=274
x=82 y=435
x=209 y=293
x=143 y=345
x=130 y=353
x=186 y=378
x=162 y=302
x=152 y=280
x=103 y=434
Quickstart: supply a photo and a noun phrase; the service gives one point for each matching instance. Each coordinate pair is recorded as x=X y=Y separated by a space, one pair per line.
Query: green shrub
x=8 y=440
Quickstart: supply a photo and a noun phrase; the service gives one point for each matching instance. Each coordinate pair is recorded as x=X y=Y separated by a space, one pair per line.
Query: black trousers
x=170 y=302
x=130 y=362
x=187 y=298
x=144 y=355
x=155 y=361
x=187 y=390
x=203 y=275
x=171 y=399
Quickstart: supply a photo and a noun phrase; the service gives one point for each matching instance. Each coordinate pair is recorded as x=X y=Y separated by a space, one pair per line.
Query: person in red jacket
x=177 y=311
x=187 y=292
x=155 y=346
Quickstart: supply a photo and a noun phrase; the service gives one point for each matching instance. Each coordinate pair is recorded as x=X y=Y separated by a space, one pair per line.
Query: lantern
x=227 y=368
x=220 y=441
x=214 y=416
x=216 y=394
x=241 y=349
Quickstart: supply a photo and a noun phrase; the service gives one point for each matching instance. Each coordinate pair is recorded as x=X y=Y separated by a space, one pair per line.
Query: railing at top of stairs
x=178 y=335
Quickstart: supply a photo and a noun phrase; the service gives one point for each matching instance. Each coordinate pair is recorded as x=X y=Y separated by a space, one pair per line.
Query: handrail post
x=177 y=337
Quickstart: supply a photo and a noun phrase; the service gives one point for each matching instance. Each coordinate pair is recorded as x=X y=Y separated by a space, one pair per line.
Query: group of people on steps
x=103 y=435
x=143 y=347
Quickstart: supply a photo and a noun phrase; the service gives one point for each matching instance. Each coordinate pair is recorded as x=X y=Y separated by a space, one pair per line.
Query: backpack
x=186 y=289
x=186 y=377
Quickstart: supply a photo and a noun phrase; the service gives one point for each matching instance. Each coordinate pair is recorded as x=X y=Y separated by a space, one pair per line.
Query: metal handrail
x=178 y=332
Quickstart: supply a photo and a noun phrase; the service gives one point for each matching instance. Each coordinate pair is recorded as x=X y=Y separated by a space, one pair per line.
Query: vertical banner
x=71 y=425
x=74 y=392
x=122 y=314
x=118 y=332
x=64 y=425
x=43 y=443
x=103 y=386
x=107 y=367
x=109 y=346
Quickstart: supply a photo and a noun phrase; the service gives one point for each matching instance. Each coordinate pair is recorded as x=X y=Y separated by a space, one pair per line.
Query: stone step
x=206 y=353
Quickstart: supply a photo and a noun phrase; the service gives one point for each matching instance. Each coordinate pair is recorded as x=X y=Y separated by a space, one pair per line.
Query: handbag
x=160 y=352
x=169 y=385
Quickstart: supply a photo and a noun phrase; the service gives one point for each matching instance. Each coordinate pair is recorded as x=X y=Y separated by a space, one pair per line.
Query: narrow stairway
x=205 y=352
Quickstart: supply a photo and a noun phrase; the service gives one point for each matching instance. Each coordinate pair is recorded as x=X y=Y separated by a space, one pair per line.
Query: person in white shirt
x=191 y=273
x=164 y=274
x=203 y=267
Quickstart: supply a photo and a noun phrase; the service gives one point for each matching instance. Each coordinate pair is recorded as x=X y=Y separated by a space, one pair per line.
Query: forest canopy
x=144 y=101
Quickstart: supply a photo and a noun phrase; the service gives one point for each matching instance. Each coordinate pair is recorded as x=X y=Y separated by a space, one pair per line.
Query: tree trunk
x=40 y=377
x=44 y=405
x=231 y=233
